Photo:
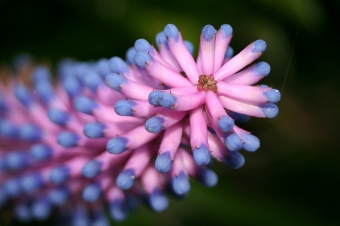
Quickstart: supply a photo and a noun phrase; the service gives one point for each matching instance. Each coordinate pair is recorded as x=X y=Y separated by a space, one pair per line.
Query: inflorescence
x=106 y=134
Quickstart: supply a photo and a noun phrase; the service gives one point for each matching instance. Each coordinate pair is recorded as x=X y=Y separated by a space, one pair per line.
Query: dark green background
x=293 y=179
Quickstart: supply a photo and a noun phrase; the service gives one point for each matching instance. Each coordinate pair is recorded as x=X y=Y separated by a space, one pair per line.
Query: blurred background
x=293 y=179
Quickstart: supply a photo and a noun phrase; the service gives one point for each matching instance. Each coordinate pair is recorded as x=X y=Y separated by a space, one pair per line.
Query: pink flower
x=92 y=136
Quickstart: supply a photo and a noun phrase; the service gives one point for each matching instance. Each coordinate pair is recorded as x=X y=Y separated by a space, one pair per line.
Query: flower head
x=92 y=137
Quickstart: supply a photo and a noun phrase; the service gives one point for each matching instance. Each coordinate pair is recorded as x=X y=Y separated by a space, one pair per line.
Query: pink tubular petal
x=221 y=45
x=108 y=96
x=138 y=75
x=217 y=148
x=188 y=162
x=75 y=165
x=166 y=54
x=215 y=109
x=170 y=117
x=177 y=165
x=114 y=130
x=144 y=109
x=114 y=193
x=245 y=57
x=184 y=58
x=244 y=77
x=108 y=114
x=240 y=107
x=198 y=131
x=207 y=55
x=199 y=64
x=188 y=102
x=151 y=179
x=187 y=90
x=139 y=159
x=171 y=139
x=109 y=160
x=98 y=143
x=183 y=162
x=157 y=57
x=166 y=75
x=138 y=137
x=244 y=93
x=134 y=90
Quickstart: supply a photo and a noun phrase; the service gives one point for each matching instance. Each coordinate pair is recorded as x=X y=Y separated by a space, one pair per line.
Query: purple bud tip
x=68 y=139
x=259 y=46
x=158 y=201
x=114 y=81
x=8 y=129
x=126 y=179
x=59 y=174
x=116 y=145
x=154 y=124
x=130 y=54
x=227 y=30
x=202 y=155
x=23 y=212
x=161 y=39
x=71 y=85
x=3 y=196
x=59 y=196
x=58 y=116
x=181 y=184
x=141 y=59
x=80 y=216
x=154 y=97
x=226 y=123
x=118 y=65
x=229 y=53
x=171 y=31
x=23 y=94
x=12 y=187
x=270 y=110
x=81 y=69
x=118 y=210
x=94 y=129
x=190 y=46
x=250 y=142
x=45 y=90
x=208 y=32
x=103 y=67
x=17 y=160
x=166 y=100
x=40 y=73
x=273 y=95
x=262 y=68
x=30 y=132
x=31 y=182
x=93 y=80
x=163 y=162
x=233 y=142
x=92 y=192
x=3 y=105
x=234 y=160
x=207 y=177
x=141 y=45
x=41 y=209
x=41 y=152
x=85 y=104
x=124 y=107
x=2 y=164
x=91 y=169
x=99 y=218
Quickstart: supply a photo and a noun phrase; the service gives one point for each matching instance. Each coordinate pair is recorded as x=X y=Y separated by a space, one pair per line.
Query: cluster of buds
x=106 y=134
